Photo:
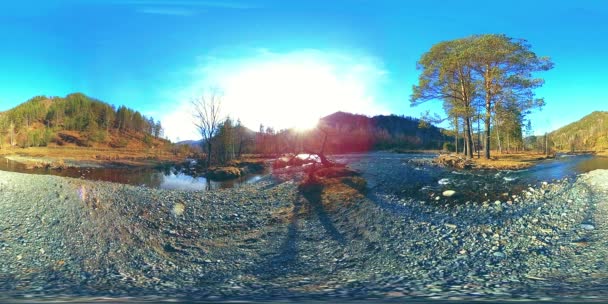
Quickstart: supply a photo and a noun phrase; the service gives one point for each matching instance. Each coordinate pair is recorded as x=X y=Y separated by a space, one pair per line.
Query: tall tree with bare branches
x=207 y=115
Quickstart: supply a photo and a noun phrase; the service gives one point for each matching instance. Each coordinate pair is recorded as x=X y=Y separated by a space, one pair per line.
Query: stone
x=178 y=209
x=448 y=193
x=587 y=226
x=499 y=254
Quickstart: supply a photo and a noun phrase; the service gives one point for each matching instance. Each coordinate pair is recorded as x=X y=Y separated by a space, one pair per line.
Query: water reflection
x=168 y=177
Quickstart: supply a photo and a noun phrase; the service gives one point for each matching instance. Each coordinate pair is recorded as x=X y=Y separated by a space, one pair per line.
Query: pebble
x=426 y=241
x=178 y=209
x=499 y=254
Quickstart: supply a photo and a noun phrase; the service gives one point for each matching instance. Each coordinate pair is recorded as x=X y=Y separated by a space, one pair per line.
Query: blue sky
x=272 y=56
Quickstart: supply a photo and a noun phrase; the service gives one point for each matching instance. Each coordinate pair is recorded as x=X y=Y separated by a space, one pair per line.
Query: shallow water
x=174 y=178
x=411 y=177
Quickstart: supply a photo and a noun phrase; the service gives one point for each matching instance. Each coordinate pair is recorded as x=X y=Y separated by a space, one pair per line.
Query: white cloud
x=282 y=90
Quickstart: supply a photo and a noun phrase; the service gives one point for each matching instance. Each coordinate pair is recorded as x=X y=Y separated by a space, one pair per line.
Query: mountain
x=353 y=132
x=590 y=133
x=78 y=120
x=190 y=143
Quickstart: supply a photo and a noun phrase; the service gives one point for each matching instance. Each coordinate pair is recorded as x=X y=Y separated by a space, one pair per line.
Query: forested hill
x=353 y=132
x=77 y=120
x=588 y=134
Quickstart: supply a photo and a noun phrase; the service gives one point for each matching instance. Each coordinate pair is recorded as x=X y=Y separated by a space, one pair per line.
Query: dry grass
x=95 y=155
x=333 y=187
x=510 y=161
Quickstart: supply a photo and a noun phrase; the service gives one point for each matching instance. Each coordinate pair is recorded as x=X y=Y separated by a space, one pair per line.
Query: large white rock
x=448 y=193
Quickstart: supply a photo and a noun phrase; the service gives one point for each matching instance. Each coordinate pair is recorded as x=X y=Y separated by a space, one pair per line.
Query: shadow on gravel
x=315 y=203
x=285 y=259
x=278 y=264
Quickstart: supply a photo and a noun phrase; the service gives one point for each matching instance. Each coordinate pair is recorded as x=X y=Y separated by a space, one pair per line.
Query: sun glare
x=305 y=124
x=293 y=90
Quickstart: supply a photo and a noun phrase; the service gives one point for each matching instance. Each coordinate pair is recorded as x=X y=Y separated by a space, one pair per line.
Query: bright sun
x=292 y=91
x=288 y=90
x=305 y=123
x=284 y=94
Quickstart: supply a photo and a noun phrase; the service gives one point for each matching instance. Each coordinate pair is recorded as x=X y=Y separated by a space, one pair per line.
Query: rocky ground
x=68 y=238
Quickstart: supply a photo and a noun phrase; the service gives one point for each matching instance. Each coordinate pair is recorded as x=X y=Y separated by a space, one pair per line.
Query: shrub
x=98 y=136
x=147 y=140
x=120 y=143
x=448 y=147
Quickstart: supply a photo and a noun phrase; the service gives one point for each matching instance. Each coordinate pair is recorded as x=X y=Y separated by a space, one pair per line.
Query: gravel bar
x=64 y=238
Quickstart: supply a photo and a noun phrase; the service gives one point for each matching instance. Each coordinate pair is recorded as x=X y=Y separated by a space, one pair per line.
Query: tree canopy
x=490 y=74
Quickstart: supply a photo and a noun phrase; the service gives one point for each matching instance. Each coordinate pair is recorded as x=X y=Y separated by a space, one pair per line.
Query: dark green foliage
x=448 y=147
x=98 y=136
x=148 y=140
x=120 y=143
x=351 y=133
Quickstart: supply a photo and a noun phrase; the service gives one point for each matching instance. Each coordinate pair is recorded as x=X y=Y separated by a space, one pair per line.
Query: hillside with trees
x=358 y=133
x=337 y=133
x=588 y=134
x=80 y=121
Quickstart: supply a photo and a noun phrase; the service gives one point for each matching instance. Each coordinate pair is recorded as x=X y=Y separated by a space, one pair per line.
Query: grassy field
x=101 y=156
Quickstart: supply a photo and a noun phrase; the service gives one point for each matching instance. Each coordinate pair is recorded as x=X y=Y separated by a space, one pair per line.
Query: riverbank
x=63 y=236
x=498 y=161
x=82 y=157
x=602 y=153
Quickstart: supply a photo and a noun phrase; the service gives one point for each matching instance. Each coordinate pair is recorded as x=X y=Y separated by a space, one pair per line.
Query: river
x=413 y=175
x=410 y=174
x=169 y=177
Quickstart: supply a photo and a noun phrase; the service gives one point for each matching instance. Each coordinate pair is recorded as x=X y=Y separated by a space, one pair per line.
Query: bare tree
x=207 y=108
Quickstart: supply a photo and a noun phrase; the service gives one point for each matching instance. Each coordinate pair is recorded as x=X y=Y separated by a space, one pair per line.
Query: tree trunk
x=488 y=138
x=456 y=131
x=464 y=137
x=209 y=153
x=488 y=113
x=469 y=138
